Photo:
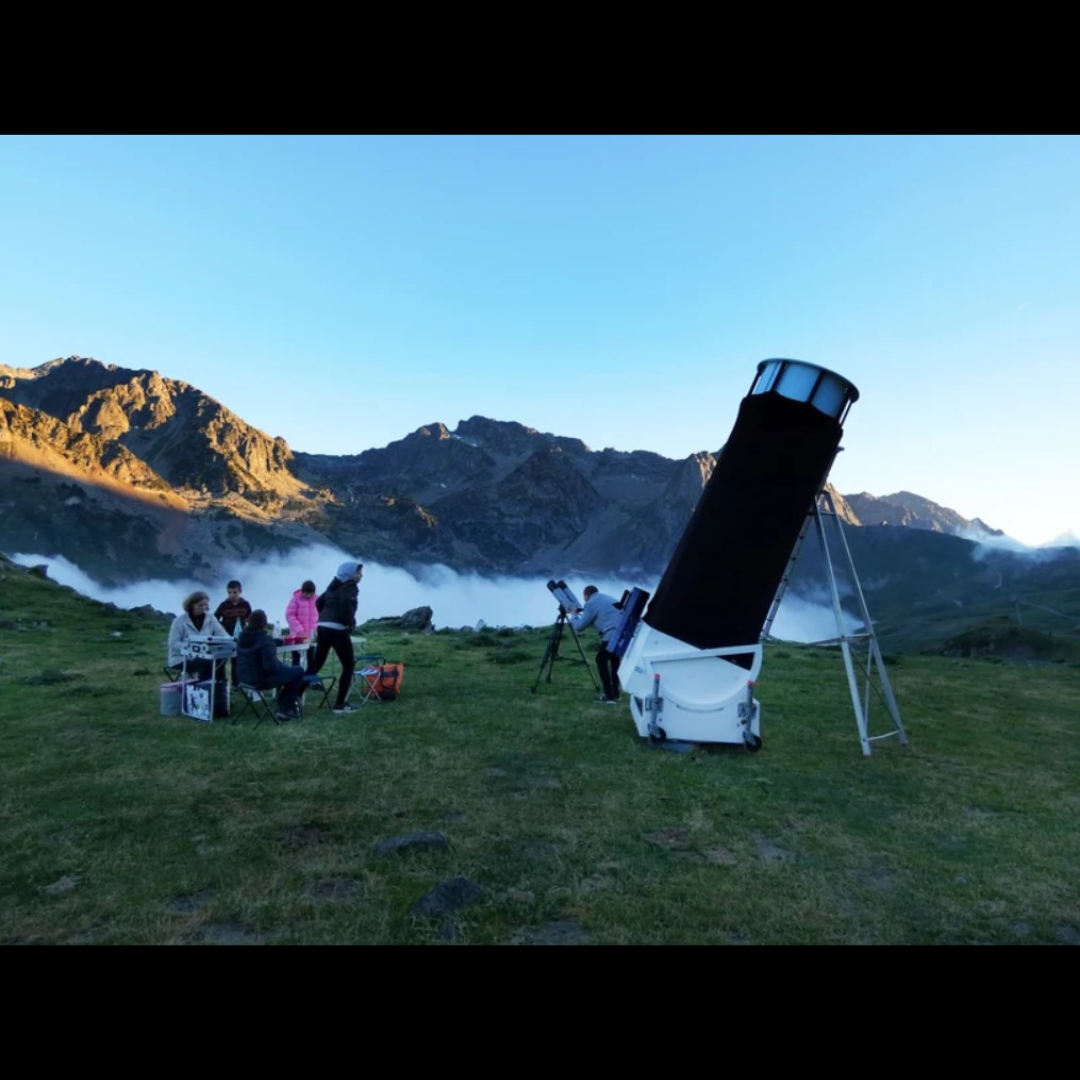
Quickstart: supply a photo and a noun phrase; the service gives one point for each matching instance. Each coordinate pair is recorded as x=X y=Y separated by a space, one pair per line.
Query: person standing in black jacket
x=258 y=665
x=232 y=612
x=337 y=616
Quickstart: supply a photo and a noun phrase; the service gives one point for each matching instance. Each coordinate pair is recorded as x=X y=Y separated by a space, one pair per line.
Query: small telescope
x=568 y=602
x=691 y=660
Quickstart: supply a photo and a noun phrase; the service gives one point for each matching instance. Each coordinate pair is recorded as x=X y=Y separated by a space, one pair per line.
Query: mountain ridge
x=488 y=496
x=130 y=475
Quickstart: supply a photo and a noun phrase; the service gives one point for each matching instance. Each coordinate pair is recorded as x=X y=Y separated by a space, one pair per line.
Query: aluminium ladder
x=861 y=645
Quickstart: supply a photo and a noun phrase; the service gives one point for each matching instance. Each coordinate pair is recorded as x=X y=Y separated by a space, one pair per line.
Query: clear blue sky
x=341 y=291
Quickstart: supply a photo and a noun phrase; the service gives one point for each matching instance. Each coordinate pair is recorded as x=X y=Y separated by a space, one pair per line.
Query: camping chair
x=173 y=672
x=366 y=678
x=261 y=703
x=320 y=686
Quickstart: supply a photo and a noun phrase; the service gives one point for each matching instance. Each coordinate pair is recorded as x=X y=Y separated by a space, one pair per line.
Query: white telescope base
x=684 y=694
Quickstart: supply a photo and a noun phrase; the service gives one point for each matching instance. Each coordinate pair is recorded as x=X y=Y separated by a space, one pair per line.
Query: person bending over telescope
x=600 y=611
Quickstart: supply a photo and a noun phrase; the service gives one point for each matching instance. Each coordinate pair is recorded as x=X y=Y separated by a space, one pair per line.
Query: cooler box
x=170 y=698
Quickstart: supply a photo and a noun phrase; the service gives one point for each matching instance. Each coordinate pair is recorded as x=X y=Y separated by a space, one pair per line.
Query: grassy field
x=532 y=818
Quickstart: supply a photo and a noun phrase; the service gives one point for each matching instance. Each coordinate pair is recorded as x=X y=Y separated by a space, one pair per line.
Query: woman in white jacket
x=196 y=619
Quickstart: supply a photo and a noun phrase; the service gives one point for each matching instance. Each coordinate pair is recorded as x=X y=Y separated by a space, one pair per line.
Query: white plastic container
x=170 y=698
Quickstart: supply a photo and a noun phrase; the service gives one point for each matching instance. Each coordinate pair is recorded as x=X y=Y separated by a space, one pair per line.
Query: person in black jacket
x=232 y=611
x=258 y=665
x=337 y=616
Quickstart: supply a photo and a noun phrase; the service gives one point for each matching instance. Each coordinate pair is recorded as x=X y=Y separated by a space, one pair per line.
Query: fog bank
x=989 y=545
x=457 y=600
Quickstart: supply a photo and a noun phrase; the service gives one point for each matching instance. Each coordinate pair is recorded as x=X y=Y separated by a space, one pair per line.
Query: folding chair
x=320 y=686
x=261 y=703
x=173 y=672
x=366 y=678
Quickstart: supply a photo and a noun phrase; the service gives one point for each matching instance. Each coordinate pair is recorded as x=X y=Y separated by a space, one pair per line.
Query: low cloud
x=803 y=619
x=987 y=544
x=456 y=599
x=991 y=545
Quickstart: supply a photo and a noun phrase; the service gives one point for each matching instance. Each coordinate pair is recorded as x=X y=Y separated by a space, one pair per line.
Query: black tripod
x=551 y=654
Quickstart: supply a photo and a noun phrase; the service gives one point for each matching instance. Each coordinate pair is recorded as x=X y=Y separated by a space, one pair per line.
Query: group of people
x=327 y=618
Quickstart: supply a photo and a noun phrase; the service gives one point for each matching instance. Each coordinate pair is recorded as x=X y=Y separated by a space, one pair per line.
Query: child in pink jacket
x=302 y=615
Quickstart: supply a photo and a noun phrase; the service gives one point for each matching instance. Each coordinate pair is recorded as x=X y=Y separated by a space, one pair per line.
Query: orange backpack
x=387 y=681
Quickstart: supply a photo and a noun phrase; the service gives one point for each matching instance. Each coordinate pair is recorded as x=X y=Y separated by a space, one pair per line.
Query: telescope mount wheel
x=657 y=736
x=752 y=743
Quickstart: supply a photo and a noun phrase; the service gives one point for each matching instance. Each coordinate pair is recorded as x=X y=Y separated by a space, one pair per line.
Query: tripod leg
x=584 y=660
x=556 y=642
x=550 y=653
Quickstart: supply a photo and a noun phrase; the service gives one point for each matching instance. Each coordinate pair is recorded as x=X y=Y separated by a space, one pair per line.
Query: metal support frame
x=191 y=702
x=856 y=648
x=654 y=706
x=551 y=653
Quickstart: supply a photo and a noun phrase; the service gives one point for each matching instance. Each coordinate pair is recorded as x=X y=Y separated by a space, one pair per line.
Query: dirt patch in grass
x=335 y=889
x=596 y=883
x=881 y=881
x=545 y=783
x=720 y=856
x=414 y=841
x=62 y=885
x=49 y=677
x=540 y=849
x=302 y=836
x=226 y=933
x=448 y=898
x=770 y=852
x=688 y=856
x=671 y=838
x=562 y=932
x=189 y=903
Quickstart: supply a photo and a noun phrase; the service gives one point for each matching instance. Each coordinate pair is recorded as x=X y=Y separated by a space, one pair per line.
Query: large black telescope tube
x=720 y=583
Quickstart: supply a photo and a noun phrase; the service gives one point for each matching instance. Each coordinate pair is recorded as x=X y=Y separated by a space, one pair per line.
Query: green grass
x=120 y=826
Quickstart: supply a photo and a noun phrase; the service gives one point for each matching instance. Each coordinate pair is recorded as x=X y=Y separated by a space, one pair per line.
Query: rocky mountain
x=131 y=475
x=188 y=440
x=499 y=497
x=126 y=473
x=904 y=508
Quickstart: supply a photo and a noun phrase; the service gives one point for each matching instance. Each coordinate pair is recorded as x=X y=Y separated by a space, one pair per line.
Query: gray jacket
x=599 y=611
x=182 y=628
